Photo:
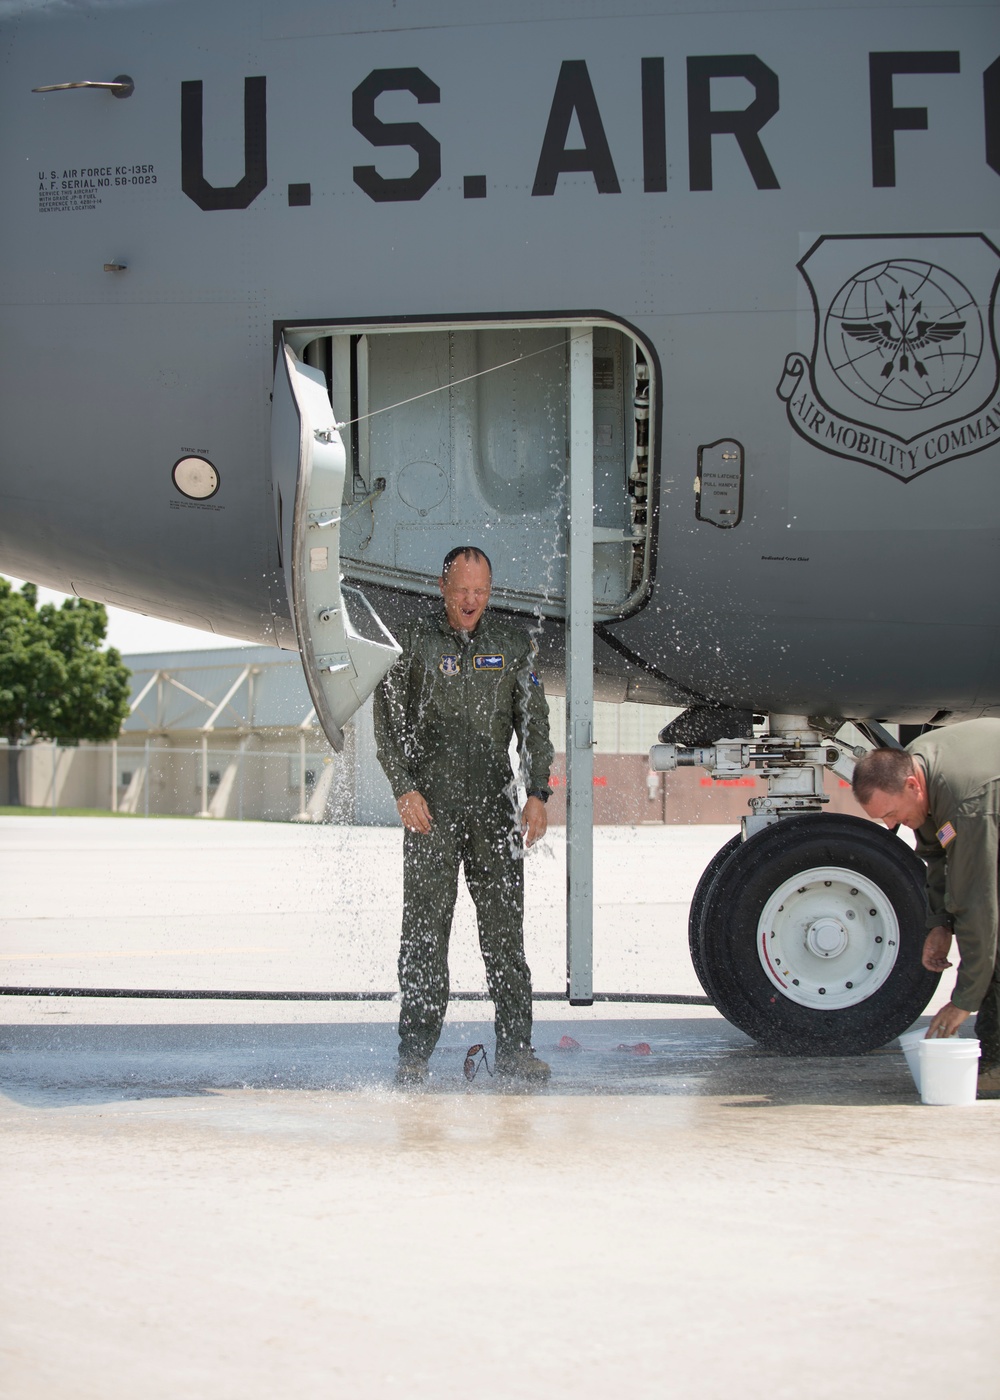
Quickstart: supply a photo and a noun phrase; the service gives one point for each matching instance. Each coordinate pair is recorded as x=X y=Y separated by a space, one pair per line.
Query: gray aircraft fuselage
x=790 y=217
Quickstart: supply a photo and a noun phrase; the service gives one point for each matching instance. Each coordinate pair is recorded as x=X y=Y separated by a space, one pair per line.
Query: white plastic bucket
x=909 y=1044
x=948 y=1070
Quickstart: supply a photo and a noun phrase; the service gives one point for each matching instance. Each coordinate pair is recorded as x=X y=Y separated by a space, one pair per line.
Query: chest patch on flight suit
x=947 y=834
x=448 y=666
x=489 y=663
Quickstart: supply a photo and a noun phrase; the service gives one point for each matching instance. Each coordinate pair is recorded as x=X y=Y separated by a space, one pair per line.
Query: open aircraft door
x=308 y=463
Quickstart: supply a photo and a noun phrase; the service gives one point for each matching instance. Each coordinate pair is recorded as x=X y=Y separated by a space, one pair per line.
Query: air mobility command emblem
x=448 y=665
x=903 y=372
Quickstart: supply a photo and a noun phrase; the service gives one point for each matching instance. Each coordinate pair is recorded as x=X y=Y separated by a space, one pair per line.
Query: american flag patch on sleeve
x=947 y=834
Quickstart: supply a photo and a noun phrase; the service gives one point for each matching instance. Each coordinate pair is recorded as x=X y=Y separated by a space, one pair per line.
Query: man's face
x=906 y=808
x=466 y=591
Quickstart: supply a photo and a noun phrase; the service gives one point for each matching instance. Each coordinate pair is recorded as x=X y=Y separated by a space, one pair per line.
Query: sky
x=131 y=632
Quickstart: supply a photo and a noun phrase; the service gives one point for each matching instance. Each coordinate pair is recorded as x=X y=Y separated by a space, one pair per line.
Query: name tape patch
x=489 y=663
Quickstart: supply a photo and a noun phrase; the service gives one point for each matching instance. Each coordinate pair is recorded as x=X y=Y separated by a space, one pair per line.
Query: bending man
x=444 y=718
x=945 y=785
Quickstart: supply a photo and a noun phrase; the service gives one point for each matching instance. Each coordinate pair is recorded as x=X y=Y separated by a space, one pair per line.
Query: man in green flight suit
x=444 y=718
x=945 y=785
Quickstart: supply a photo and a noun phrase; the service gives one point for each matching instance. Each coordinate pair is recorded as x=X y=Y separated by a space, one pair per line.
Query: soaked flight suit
x=444 y=718
x=959 y=842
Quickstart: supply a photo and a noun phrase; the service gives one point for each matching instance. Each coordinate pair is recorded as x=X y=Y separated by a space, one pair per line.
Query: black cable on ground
x=161 y=994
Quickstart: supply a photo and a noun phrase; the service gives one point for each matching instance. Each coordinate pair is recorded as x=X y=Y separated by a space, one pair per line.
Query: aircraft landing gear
x=806 y=930
x=807 y=936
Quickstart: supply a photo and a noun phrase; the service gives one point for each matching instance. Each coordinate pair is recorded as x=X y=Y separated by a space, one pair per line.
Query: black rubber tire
x=730 y=910
x=697 y=905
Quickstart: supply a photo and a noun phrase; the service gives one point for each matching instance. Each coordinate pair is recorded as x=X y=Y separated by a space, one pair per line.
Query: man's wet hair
x=882 y=770
x=464 y=551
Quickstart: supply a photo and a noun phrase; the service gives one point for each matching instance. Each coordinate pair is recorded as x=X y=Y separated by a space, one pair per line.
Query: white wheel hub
x=828 y=938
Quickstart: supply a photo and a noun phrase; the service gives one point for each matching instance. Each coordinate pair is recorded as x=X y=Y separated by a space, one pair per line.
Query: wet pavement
x=699 y=1057
x=232 y=1199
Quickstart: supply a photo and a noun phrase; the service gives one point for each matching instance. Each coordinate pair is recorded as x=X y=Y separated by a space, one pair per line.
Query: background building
x=232 y=734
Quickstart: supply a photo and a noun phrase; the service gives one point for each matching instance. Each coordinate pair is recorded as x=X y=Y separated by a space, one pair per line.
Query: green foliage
x=55 y=681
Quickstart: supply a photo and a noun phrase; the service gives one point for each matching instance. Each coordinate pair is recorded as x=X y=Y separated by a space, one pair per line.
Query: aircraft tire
x=810 y=936
x=698 y=904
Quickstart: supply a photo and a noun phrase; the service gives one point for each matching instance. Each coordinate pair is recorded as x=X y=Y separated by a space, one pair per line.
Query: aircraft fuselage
x=792 y=215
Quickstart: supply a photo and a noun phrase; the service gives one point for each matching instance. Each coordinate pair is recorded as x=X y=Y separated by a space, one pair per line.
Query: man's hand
x=534 y=822
x=946 y=1022
x=416 y=814
x=937 y=945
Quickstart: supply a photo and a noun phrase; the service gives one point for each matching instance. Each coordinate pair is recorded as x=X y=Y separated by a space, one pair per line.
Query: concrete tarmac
x=231 y=1199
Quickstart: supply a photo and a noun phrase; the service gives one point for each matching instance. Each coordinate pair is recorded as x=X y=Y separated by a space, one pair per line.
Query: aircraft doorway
x=529 y=441
x=462 y=432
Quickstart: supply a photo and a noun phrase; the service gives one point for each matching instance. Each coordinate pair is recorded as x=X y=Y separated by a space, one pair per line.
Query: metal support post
x=303 y=815
x=204 y=777
x=580 y=678
x=114 y=775
x=239 y=760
